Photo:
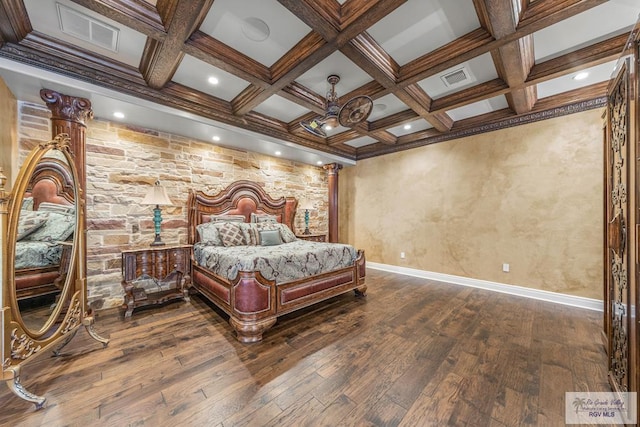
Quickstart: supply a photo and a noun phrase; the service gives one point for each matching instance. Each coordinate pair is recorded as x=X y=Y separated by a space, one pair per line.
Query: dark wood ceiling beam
x=479 y=42
x=358 y=15
x=322 y=16
x=471 y=95
x=14 y=21
x=214 y=52
x=43 y=47
x=138 y=15
x=544 y=13
x=162 y=58
x=514 y=60
x=305 y=97
x=309 y=58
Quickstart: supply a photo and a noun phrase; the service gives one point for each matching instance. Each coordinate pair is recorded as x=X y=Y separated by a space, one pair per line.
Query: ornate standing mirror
x=44 y=298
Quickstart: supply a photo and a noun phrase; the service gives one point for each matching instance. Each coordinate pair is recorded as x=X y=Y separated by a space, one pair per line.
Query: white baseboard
x=574 y=301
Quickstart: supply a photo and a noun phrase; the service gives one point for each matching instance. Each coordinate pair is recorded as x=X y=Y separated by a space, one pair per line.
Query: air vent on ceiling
x=456 y=77
x=86 y=28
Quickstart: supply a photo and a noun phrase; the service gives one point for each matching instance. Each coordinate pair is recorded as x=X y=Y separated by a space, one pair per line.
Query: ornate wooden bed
x=51 y=182
x=253 y=302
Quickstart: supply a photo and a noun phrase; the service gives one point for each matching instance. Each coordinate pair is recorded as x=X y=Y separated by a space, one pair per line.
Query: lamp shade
x=156 y=195
x=306 y=204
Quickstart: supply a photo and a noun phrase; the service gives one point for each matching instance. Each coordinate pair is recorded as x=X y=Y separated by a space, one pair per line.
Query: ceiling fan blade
x=315 y=127
x=355 y=111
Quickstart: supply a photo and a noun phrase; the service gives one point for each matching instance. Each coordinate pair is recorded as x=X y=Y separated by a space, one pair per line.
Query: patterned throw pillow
x=29 y=222
x=270 y=238
x=59 y=227
x=27 y=204
x=263 y=218
x=288 y=236
x=226 y=218
x=250 y=233
x=209 y=234
x=231 y=234
x=55 y=207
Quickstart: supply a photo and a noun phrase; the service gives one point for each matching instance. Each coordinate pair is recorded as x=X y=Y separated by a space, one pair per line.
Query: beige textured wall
x=530 y=196
x=8 y=134
x=122 y=163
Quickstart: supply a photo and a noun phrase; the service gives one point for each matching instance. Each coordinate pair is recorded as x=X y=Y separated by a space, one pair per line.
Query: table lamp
x=306 y=204
x=157 y=196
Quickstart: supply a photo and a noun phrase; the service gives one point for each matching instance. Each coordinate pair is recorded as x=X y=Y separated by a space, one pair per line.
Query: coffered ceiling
x=434 y=69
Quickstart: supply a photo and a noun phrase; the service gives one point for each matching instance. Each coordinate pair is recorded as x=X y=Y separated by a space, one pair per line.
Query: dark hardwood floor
x=412 y=353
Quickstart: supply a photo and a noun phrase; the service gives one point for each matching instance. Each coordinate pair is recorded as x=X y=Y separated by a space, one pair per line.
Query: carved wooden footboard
x=252 y=301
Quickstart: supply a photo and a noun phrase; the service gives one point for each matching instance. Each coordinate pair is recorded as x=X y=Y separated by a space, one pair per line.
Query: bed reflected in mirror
x=44 y=241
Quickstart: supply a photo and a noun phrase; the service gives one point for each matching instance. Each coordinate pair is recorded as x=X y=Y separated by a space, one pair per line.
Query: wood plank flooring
x=412 y=353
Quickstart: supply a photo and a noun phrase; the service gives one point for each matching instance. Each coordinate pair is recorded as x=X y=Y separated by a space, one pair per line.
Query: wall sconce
x=157 y=196
x=306 y=204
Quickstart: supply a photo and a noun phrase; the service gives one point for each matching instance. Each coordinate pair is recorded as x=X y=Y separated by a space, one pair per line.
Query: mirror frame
x=48 y=332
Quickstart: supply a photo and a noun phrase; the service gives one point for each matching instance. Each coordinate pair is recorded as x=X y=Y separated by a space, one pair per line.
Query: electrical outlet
x=401 y=255
x=505 y=268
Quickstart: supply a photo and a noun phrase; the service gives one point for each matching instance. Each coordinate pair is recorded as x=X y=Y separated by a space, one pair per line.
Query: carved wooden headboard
x=51 y=182
x=239 y=198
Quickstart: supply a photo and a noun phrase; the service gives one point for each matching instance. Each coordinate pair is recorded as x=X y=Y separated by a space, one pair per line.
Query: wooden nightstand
x=318 y=237
x=155 y=275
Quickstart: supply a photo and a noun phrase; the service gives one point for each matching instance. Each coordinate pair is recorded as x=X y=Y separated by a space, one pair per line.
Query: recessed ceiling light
x=216 y=138
x=118 y=115
x=319 y=162
x=278 y=153
x=407 y=127
x=581 y=76
x=328 y=127
x=213 y=80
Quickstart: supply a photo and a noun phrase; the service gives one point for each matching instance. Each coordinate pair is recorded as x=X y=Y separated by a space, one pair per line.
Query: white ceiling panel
x=281 y=109
x=595 y=24
x=130 y=43
x=261 y=29
x=195 y=74
x=419 y=27
x=361 y=142
x=351 y=76
x=481 y=70
x=478 y=108
x=386 y=106
x=414 y=126
x=561 y=84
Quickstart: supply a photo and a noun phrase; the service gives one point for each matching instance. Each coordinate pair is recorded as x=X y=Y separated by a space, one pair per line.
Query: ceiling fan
x=356 y=110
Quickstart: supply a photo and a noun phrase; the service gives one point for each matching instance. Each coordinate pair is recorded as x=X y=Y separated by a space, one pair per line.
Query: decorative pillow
x=59 y=227
x=209 y=234
x=226 y=218
x=288 y=236
x=27 y=204
x=231 y=234
x=29 y=222
x=55 y=207
x=270 y=238
x=250 y=233
x=263 y=218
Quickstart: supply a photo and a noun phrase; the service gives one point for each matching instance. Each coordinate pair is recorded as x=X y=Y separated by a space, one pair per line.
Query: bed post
x=332 y=172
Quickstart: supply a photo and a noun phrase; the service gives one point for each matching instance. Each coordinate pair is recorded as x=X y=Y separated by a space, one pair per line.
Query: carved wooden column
x=68 y=115
x=332 y=172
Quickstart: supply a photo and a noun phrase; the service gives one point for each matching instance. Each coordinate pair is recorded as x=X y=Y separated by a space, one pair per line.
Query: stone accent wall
x=123 y=162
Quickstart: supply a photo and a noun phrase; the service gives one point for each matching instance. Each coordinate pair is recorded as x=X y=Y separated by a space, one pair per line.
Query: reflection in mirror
x=44 y=243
